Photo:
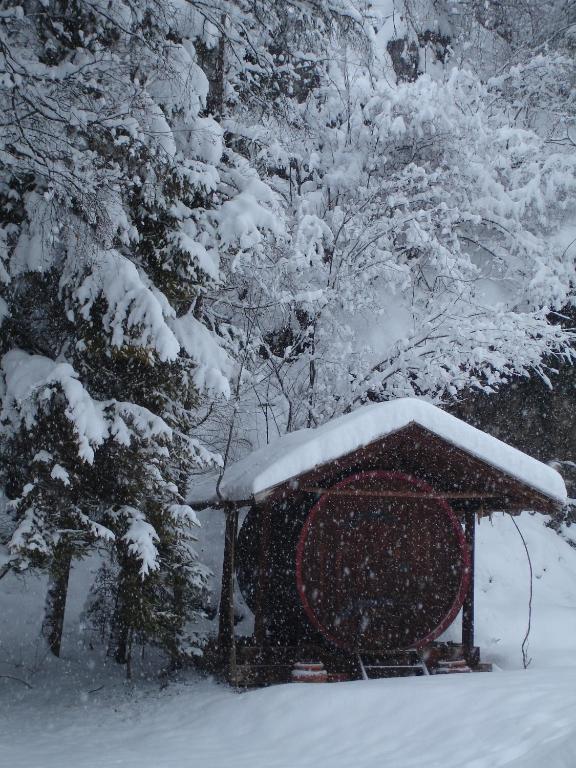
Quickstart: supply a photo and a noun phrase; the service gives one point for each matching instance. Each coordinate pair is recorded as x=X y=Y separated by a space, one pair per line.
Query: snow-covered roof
x=301 y=451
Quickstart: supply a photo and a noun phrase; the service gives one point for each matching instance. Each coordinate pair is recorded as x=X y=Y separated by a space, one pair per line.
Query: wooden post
x=261 y=617
x=226 y=640
x=468 y=607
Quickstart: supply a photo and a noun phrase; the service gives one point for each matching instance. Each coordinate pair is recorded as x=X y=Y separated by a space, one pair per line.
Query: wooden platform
x=266 y=665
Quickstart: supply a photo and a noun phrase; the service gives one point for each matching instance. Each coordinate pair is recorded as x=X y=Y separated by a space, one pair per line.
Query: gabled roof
x=299 y=454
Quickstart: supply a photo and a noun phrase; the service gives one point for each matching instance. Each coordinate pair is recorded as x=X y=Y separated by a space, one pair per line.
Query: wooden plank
x=226 y=639
x=468 y=607
x=463 y=495
x=416 y=451
x=263 y=588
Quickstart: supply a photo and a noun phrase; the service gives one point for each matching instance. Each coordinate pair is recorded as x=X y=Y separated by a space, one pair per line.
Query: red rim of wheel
x=381 y=474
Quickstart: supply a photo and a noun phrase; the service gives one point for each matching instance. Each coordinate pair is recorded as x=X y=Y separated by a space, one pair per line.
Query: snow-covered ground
x=520 y=719
x=502 y=593
x=82 y=714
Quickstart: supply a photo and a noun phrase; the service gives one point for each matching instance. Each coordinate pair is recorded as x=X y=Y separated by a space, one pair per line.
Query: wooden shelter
x=357 y=548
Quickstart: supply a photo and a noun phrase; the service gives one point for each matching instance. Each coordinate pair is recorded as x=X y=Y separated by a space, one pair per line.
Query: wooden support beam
x=264 y=565
x=226 y=639
x=462 y=495
x=468 y=607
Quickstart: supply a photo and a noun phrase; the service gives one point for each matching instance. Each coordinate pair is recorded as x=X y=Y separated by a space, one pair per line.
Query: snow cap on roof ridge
x=301 y=451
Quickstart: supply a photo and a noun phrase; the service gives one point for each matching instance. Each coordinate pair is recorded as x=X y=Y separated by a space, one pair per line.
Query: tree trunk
x=53 y=624
x=213 y=62
x=126 y=597
x=311 y=421
x=118 y=644
x=179 y=609
x=226 y=640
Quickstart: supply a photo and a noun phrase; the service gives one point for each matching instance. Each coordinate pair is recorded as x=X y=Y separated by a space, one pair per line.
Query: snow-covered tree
x=118 y=203
x=427 y=251
x=265 y=59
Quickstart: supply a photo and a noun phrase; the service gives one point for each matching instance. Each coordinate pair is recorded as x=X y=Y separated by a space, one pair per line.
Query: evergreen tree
x=117 y=206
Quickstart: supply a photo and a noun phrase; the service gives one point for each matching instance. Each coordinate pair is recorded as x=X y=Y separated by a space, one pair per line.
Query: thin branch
x=525 y=660
x=5 y=570
x=17 y=679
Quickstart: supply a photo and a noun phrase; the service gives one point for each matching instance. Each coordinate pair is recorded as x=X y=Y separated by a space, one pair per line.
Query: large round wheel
x=381 y=572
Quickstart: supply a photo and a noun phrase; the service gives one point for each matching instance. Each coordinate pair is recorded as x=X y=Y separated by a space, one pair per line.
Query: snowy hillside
x=502 y=593
x=82 y=713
